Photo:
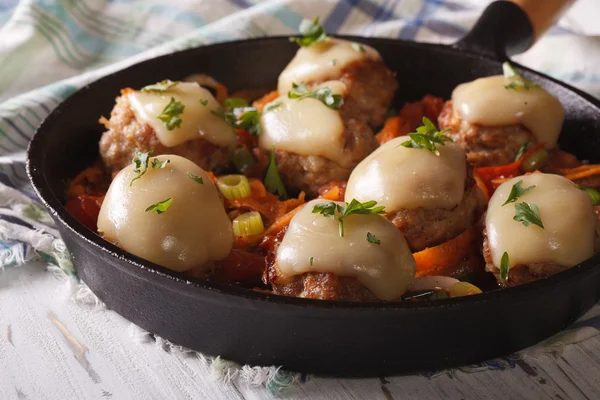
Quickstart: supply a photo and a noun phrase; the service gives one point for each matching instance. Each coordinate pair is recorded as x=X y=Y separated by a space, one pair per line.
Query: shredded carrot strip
x=446 y=258
x=584 y=171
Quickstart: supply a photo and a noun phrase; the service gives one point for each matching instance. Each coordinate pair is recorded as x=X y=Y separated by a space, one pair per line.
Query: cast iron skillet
x=325 y=337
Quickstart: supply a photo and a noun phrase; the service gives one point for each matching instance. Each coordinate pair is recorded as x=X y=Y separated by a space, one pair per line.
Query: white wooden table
x=53 y=348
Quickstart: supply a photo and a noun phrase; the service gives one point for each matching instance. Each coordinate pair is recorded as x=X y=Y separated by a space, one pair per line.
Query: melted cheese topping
x=306 y=127
x=198 y=122
x=398 y=177
x=193 y=231
x=566 y=213
x=487 y=102
x=323 y=61
x=386 y=269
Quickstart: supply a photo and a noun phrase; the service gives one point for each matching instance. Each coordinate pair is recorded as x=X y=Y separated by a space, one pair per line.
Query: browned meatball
x=309 y=173
x=125 y=135
x=519 y=274
x=371 y=87
x=485 y=145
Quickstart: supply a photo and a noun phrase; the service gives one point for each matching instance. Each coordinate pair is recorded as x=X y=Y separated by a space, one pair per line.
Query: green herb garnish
x=239 y=115
x=161 y=86
x=515 y=80
x=528 y=214
x=234 y=102
x=504 y=266
x=354 y=207
x=521 y=151
x=594 y=195
x=324 y=95
x=426 y=137
x=141 y=164
x=171 y=113
x=196 y=178
x=311 y=260
x=311 y=33
x=161 y=206
x=272 y=180
x=358 y=47
x=372 y=239
x=517 y=191
x=204 y=102
x=272 y=105
x=157 y=164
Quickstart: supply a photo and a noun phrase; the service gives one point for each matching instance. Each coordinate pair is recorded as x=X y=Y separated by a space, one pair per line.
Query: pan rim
x=145 y=269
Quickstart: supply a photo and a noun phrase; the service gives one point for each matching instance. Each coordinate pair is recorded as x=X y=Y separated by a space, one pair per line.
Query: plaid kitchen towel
x=50 y=48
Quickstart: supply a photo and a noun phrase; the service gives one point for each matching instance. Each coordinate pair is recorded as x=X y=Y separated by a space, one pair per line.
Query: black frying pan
x=326 y=337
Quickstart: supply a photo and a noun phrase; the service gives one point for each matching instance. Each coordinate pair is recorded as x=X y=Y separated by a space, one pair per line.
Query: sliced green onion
x=242 y=159
x=460 y=289
x=535 y=161
x=248 y=224
x=594 y=195
x=234 y=186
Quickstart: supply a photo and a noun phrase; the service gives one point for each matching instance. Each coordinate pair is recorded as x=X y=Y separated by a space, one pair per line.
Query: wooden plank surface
x=52 y=348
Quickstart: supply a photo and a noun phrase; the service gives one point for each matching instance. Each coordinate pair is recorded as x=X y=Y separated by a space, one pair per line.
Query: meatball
x=126 y=135
x=309 y=173
x=485 y=145
x=424 y=228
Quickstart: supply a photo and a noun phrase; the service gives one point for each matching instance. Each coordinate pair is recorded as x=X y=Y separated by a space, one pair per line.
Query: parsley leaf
x=196 y=178
x=521 y=151
x=528 y=214
x=504 y=266
x=161 y=206
x=249 y=120
x=354 y=207
x=156 y=163
x=272 y=105
x=239 y=115
x=272 y=179
x=160 y=87
x=372 y=239
x=517 y=191
x=234 y=102
x=426 y=137
x=170 y=115
x=324 y=95
x=311 y=260
x=141 y=164
x=311 y=31
x=358 y=47
x=515 y=80
x=204 y=102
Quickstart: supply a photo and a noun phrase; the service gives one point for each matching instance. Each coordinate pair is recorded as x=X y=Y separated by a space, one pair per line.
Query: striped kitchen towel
x=51 y=48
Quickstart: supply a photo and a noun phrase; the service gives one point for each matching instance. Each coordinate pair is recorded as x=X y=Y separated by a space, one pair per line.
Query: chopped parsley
x=161 y=206
x=204 y=102
x=358 y=47
x=504 y=266
x=157 y=164
x=171 y=113
x=324 y=95
x=311 y=33
x=517 y=191
x=161 y=86
x=372 y=239
x=311 y=260
x=234 y=102
x=426 y=137
x=528 y=214
x=196 y=178
x=272 y=180
x=515 y=80
x=354 y=207
x=140 y=161
x=334 y=61
x=239 y=115
x=594 y=195
x=521 y=151
x=272 y=105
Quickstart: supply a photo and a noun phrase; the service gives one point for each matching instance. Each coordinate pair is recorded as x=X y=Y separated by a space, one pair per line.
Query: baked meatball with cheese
x=141 y=121
x=556 y=232
x=430 y=198
x=172 y=216
x=369 y=82
x=491 y=120
x=314 y=143
x=370 y=262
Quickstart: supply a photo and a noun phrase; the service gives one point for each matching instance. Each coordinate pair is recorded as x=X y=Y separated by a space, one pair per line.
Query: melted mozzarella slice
x=398 y=177
x=487 y=102
x=566 y=213
x=198 y=121
x=193 y=231
x=306 y=127
x=386 y=269
x=323 y=61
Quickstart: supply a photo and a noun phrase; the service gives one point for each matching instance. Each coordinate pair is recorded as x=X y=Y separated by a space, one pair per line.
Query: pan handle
x=509 y=27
